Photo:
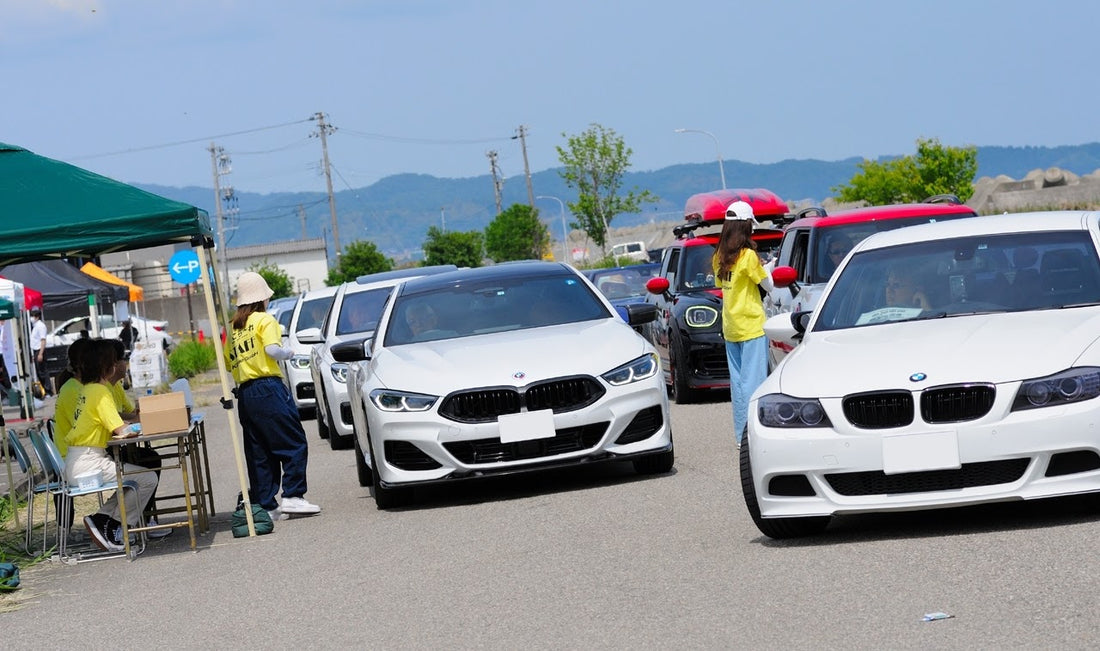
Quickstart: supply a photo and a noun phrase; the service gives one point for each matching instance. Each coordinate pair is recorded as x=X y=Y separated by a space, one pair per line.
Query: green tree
x=461 y=249
x=594 y=163
x=277 y=279
x=360 y=258
x=516 y=234
x=935 y=169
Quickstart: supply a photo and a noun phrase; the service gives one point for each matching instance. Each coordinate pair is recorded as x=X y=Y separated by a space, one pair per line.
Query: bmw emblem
x=918 y=377
x=519 y=375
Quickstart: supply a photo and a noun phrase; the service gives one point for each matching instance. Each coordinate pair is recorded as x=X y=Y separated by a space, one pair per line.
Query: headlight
x=778 y=410
x=1074 y=385
x=300 y=362
x=700 y=316
x=339 y=372
x=643 y=367
x=399 y=401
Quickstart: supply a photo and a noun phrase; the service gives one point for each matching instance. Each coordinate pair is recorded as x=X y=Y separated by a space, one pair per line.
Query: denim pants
x=748 y=362
x=275 y=448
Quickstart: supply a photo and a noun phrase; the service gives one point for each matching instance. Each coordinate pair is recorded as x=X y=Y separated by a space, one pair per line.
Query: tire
x=322 y=426
x=366 y=478
x=682 y=393
x=385 y=498
x=655 y=464
x=777 y=528
x=338 y=441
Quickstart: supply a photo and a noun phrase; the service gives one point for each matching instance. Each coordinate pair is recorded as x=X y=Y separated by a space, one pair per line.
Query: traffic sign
x=184 y=267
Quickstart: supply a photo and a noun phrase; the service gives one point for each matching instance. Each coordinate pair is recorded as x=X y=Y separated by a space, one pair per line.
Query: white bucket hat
x=252 y=288
x=740 y=211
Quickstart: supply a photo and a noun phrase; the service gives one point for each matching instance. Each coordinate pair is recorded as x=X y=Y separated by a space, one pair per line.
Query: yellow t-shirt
x=742 y=309
x=122 y=401
x=65 y=412
x=96 y=417
x=244 y=353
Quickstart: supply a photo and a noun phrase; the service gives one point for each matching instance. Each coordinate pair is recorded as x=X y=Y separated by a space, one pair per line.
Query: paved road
x=590 y=558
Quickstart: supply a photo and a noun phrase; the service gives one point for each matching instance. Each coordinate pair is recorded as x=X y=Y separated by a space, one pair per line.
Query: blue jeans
x=275 y=448
x=748 y=362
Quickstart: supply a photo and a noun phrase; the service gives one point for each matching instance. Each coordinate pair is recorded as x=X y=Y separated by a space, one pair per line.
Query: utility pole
x=302 y=216
x=323 y=130
x=521 y=133
x=220 y=165
x=443 y=219
x=498 y=182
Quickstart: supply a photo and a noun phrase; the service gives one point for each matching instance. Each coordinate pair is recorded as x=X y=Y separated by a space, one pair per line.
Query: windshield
x=832 y=243
x=312 y=313
x=623 y=283
x=953 y=277
x=465 y=309
x=359 y=312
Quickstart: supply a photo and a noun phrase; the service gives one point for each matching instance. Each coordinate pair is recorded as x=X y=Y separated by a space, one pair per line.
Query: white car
x=147 y=330
x=976 y=382
x=356 y=308
x=526 y=366
x=304 y=319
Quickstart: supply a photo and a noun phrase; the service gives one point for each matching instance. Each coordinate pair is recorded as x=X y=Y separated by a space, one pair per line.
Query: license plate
x=526 y=426
x=917 y=452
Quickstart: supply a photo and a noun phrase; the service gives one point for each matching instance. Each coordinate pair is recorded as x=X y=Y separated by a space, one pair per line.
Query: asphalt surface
x=595 y=557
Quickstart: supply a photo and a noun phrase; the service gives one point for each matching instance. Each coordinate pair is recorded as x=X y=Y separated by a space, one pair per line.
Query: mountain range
x=396 y=212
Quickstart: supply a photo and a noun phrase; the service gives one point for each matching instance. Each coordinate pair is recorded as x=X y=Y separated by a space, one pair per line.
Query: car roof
x=1031 y=222
x=320 y=293
x=405 y=273
x=517 y=269
x=601 y=270
x=875 y=213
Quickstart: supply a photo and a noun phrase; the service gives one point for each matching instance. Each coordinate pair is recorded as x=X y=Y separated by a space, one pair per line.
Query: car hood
x=981 y=348
x=508 y=358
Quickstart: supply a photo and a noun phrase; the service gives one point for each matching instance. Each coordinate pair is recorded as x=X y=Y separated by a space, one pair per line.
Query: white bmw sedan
x=514 y=367
x=949 y=364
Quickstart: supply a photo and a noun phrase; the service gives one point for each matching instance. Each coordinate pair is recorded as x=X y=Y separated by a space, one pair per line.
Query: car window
x=284 y=318
x=312 y=313
x=360 y=311
x=697 y=269
x=623 y=282
x=498 y=305
x=944 y=278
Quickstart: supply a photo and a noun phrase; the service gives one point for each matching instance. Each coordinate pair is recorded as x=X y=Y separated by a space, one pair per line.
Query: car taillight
x=158 y=328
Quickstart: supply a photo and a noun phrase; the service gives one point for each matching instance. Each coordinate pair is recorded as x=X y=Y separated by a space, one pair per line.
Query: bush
x=191 y=358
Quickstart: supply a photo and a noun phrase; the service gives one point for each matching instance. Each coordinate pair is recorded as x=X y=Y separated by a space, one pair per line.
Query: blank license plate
x=526 y=426
x=917 y=452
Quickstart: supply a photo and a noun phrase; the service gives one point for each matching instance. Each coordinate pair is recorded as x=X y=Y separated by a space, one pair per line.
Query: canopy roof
x=98 y=272
x=64 y=289
x=50 y=209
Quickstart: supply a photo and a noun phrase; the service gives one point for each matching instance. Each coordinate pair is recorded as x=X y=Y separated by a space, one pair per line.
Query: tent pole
x=227 y=394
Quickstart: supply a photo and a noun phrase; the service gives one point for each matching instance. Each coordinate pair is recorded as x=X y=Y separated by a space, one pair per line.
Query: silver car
x=305 y=320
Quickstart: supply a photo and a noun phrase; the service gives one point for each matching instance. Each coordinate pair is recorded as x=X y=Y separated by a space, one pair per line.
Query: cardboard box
x=163 y=413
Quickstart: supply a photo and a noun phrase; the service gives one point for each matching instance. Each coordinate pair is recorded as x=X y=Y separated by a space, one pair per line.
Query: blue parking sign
x=184 y=267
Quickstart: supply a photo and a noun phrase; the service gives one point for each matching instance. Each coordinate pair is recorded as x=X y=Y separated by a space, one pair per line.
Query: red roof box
x=711 y=207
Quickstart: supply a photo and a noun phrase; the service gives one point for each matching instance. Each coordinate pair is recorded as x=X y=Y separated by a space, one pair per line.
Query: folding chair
x=34 y=487
x=49 y=454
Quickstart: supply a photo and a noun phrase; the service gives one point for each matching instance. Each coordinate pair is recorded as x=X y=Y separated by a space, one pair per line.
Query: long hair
x=240 y=319
x=736 y=235
x=99 y=361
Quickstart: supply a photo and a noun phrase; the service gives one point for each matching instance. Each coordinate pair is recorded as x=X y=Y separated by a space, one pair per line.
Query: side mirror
x=658 y=285
x=310 y=336
x=786 y=277
x=800 y=321
x=357 y=350
x=637 y=314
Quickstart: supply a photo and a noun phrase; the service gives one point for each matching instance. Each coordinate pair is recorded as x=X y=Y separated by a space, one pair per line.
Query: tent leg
x=227 y=394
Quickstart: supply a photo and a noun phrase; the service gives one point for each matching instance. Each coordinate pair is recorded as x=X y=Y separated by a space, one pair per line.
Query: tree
x=277 y=279
x=360 y=258
x=935 y=169
x=594 y=163
x=460 y=249
x=516 y=234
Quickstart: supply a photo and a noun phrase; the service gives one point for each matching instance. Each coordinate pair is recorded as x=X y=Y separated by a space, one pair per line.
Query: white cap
x=252 y=288
x=740 y=210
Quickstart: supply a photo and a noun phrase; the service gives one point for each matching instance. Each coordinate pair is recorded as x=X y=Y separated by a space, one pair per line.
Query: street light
x=564 y=232
x=721 y=171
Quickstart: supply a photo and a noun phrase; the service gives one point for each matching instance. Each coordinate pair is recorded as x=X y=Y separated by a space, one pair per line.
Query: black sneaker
x=101 y=531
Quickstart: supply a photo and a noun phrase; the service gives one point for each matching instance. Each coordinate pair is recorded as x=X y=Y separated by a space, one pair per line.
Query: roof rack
x=943 y=198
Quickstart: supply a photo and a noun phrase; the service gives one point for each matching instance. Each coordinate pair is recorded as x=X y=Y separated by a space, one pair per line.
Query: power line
x=188 y=142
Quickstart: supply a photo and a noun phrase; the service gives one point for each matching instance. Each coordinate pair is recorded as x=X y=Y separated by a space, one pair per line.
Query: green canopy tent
x=52 y=209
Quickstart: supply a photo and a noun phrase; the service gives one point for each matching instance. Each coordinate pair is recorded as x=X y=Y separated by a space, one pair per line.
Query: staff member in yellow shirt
x=740 y=275
x=275 y=447
x=96 y=420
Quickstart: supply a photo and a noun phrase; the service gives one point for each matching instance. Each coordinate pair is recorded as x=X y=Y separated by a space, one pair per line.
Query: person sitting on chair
x=904 y=290
x=421 y=319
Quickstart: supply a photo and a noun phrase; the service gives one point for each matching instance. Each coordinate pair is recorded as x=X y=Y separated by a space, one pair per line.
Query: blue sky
x=137 y=89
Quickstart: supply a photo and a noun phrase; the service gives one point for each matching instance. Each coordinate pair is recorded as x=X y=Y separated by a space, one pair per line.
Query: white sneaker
x=156 y=533
x=276 y=514
x=298 y=505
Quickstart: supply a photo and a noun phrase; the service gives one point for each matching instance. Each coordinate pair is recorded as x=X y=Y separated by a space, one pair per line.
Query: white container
x=89 y=480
